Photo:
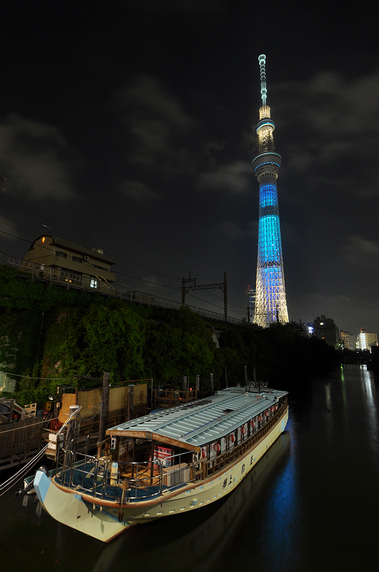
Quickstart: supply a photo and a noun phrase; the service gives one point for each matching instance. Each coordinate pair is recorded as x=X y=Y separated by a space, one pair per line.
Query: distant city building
x=306 y=329
x=59 y=258
x=348 y=340
x=326 y=329
x=250 y=303
x=365 y=340
x=309 y=329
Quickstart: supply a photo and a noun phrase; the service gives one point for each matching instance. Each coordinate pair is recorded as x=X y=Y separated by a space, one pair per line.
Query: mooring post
x=70 y=434
x=130 y=401
x=103 y=411
x=225 y=298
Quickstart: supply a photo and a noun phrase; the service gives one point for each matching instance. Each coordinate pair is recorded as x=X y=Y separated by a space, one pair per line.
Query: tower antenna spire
x=262 y=69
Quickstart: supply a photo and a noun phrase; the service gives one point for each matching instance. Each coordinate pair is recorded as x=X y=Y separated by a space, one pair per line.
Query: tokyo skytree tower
x=270 y=300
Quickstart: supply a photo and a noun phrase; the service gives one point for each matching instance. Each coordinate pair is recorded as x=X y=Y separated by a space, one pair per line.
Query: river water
x=311 y=504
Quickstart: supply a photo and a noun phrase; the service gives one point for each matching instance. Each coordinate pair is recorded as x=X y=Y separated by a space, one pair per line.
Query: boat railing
x=130 y=481
x=84 y=472
x=147 y=479
x=102 y=478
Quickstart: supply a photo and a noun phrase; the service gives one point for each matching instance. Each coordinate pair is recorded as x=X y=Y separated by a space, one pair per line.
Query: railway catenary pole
x=189 y=284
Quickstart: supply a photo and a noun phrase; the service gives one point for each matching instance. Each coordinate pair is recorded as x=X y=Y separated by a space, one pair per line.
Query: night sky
x=130 y=126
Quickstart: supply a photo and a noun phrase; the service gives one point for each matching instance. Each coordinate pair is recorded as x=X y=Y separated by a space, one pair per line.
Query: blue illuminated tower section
x=270 y=301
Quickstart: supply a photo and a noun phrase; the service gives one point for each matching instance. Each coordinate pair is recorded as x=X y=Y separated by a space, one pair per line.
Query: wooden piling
x=103 y=410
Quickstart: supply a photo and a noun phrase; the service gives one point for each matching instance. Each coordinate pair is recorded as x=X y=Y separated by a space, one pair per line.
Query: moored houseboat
x=166 y=463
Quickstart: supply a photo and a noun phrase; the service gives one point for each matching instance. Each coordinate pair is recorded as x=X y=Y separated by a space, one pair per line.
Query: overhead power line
x=119 y=256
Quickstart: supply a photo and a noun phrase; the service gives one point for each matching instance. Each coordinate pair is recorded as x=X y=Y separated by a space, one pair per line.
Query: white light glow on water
x=371 y=407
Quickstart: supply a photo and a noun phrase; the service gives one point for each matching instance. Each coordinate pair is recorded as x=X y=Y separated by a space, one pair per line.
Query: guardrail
x=70 y=280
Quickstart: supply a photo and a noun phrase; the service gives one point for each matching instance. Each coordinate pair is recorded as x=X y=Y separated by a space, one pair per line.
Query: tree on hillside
x=87 y=342
x=178 y=344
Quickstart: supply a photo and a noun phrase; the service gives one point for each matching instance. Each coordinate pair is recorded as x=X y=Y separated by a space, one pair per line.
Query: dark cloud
x=193 y=8
x=335 y=124
x=7 y=227
x=360 y=251
x=232 y=231
x=133 y=128
x=37 y=155
x=234 y=178
x=138 y=191
x=154 y=119
x=328 y=134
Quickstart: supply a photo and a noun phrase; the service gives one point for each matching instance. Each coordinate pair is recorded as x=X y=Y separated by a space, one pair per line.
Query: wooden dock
x=20 y=441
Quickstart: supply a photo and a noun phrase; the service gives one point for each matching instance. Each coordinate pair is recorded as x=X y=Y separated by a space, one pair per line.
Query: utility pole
x=192 y=285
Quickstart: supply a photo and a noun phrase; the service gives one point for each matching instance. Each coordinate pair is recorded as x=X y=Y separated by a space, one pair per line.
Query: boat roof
x=194 y=424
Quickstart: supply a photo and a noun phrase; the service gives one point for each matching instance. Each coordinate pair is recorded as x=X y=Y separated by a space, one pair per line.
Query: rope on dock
x=8 y=484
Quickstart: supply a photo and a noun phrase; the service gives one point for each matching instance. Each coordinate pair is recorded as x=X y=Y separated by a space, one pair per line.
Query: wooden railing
x=170 y=397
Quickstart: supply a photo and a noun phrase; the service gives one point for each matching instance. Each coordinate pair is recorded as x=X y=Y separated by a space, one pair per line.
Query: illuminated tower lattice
x=270 y=301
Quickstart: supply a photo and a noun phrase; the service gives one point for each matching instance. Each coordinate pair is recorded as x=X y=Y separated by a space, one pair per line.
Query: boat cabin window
x=144 y=451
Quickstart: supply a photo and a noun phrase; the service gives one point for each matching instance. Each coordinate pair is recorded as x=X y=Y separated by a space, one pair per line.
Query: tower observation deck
x=270 y=301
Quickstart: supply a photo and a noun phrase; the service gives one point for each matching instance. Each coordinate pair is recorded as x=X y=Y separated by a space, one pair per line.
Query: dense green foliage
x=178 y=343
x=279 y=355
x=55 y=336
x=88 y=341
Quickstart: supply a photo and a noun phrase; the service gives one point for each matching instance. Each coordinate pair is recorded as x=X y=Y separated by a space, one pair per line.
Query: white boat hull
x=70 y=509
x=104 y=520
